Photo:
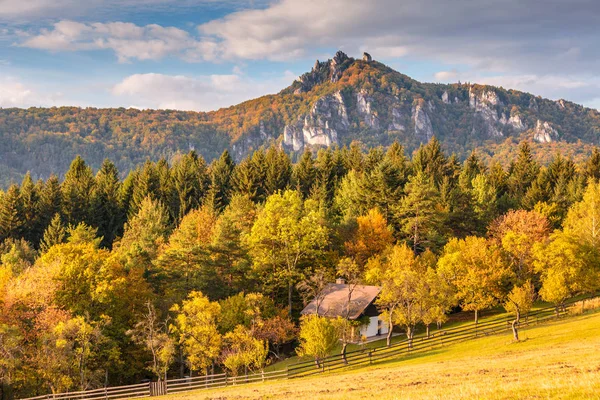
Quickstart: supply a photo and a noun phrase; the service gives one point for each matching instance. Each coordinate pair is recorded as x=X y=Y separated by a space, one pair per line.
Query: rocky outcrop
x=321 y=126
x=397 y=123
x=322 y=71
x=445 y=98
x=363 y=106
x=336 y=66
x=484 y=105
x=367 y=57
x=423 y=127
x=544 y=132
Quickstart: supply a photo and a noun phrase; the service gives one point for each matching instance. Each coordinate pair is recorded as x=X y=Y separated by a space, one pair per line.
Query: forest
x=187 y=267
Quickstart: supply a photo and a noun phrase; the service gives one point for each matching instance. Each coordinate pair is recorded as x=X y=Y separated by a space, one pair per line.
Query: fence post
x=370 y=360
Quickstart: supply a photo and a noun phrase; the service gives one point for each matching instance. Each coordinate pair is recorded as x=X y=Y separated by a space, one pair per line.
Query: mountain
x=340 y=100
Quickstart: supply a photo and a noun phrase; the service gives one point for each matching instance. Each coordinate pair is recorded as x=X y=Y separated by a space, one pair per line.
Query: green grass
x=558 y=359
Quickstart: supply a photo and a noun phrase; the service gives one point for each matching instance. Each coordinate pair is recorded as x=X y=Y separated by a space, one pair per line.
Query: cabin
x=332 y=302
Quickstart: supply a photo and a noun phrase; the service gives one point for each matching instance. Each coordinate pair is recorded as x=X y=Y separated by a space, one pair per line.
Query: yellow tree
x=401 y=276
x=566 y=267
x=583 y=218
x=287 y=233
x=242 y=349
x=516 y=232
x=318 y=337
x=371 y=237
x=196 y=323
x=477 y=271
x=519 y=302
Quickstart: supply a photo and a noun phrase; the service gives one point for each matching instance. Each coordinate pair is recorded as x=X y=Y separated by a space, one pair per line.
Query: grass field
x=559 y=359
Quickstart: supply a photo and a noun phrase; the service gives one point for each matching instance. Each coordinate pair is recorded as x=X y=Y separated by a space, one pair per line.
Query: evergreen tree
x=354 y=157
x=325 y=182
x=523 y=173
x=250 y=175
x=221 y=172
x=11 y=214
x=430 y=161
x=305 y=174
x=55 y=234
x=278 y=170
x=146 y=184
x=591 y=169
x=30 y=203
x=421 y=215
x=108 y=215
x=384 y=186
x=77 y=189
x=166 y=192
x=50 y=202
x=190 y=180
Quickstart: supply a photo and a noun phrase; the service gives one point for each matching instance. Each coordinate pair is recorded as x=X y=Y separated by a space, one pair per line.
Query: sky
x=205 y=54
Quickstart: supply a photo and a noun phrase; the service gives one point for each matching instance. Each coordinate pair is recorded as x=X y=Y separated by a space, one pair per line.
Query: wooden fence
x=307 y=368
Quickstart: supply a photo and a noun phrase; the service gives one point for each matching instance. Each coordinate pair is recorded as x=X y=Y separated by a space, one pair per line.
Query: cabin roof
x=334 y=301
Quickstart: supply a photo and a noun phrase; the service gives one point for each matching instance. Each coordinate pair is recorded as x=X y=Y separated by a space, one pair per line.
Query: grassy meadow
x=560 y=359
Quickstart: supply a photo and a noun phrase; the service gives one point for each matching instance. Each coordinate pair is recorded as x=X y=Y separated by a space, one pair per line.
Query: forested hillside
x=193 y=266
x=341 y=100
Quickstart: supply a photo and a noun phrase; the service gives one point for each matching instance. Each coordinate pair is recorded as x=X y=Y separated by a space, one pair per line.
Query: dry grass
x=556 y=360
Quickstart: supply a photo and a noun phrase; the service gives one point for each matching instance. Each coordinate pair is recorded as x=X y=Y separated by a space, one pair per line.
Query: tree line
x=190 y=267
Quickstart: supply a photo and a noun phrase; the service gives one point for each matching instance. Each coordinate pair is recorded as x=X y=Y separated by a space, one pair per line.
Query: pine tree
x=146 y=184
x=431 y=161
x=55 y=234
x=523 y=173
x=11 y=214
x=278 y=170
x=354 y=157
x=77 y=189
x=305 y=174
x=166 y=188
x=190 y=181
x=420 y=215
x=250 y=175
x=108 y=215
x=50 y=202
x=221 y=172
x=325 y=182
x=30 y=203
x=591 y=168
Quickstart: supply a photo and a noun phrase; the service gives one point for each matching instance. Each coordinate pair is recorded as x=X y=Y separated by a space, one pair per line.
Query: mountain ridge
x=339 y=101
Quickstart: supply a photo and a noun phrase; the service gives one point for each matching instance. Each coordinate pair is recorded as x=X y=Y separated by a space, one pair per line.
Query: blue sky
x=206 y=54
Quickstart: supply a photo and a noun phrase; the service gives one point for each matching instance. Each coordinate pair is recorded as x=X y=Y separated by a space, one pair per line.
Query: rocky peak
x=336 y=64
x=367 y=57
x=544 y=132
x=322 y=71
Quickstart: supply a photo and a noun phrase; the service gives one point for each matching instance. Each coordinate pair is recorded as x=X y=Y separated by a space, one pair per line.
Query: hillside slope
x=338 y=101
x=558 y=360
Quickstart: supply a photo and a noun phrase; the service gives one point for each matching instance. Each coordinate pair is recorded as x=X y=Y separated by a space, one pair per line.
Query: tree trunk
x=427 y=330
x=515 y=324
x=344 y=345
x=389 y=334
x=476 y=317
x=583 y=305
x=181 y=364
x=290 y=289
x=409 y=336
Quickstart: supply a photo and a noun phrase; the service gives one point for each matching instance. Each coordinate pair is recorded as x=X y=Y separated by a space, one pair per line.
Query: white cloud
x=14 y=93
x=202 y=93
x=127 y=40
x=446 y=76
x=509 y=35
